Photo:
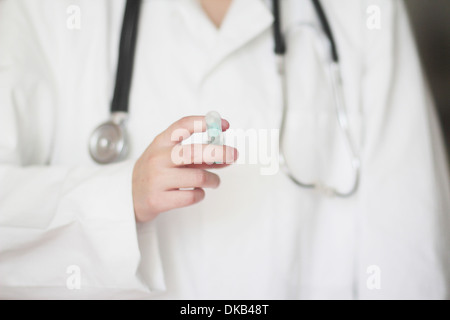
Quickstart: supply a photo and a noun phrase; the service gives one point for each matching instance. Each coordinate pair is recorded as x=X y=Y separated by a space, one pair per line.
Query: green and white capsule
x=214 y=128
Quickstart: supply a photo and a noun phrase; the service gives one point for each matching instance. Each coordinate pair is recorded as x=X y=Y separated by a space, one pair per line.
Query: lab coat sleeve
x=57 y=223
x=65 y=231
x=404 y=217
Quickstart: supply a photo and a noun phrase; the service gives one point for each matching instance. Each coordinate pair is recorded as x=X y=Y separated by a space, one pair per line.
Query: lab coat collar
x=245 y=20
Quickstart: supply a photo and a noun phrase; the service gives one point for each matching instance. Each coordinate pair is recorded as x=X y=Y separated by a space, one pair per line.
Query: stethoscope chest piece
x=108 y=142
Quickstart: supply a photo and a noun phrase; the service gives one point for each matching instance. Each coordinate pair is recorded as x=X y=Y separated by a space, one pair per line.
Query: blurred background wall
x=430 y=20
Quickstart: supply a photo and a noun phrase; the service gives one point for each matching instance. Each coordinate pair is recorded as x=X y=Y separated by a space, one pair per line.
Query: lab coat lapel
x=245 y=20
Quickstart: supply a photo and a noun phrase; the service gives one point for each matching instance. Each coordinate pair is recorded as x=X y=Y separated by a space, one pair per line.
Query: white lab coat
x=257 y=236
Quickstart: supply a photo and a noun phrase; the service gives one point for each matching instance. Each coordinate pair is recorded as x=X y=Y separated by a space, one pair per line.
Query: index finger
x=184 y=128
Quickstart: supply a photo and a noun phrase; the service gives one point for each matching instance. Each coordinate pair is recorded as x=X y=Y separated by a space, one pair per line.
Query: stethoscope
x=109 y=142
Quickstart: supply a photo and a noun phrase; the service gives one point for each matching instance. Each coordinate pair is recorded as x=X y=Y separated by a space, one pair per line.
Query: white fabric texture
x=256 y=236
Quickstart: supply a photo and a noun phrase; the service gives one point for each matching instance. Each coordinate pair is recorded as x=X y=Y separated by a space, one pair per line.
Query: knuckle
x=186 y=154
x=183 y=121
x=157 y=140
x=152 y=161
x=155 y=159
x=195 y=154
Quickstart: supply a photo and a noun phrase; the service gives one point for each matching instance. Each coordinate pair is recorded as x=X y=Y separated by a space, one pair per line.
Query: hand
x=159 y=174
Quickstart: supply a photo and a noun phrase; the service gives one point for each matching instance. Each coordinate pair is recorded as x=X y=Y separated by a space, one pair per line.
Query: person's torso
x=258 y=235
